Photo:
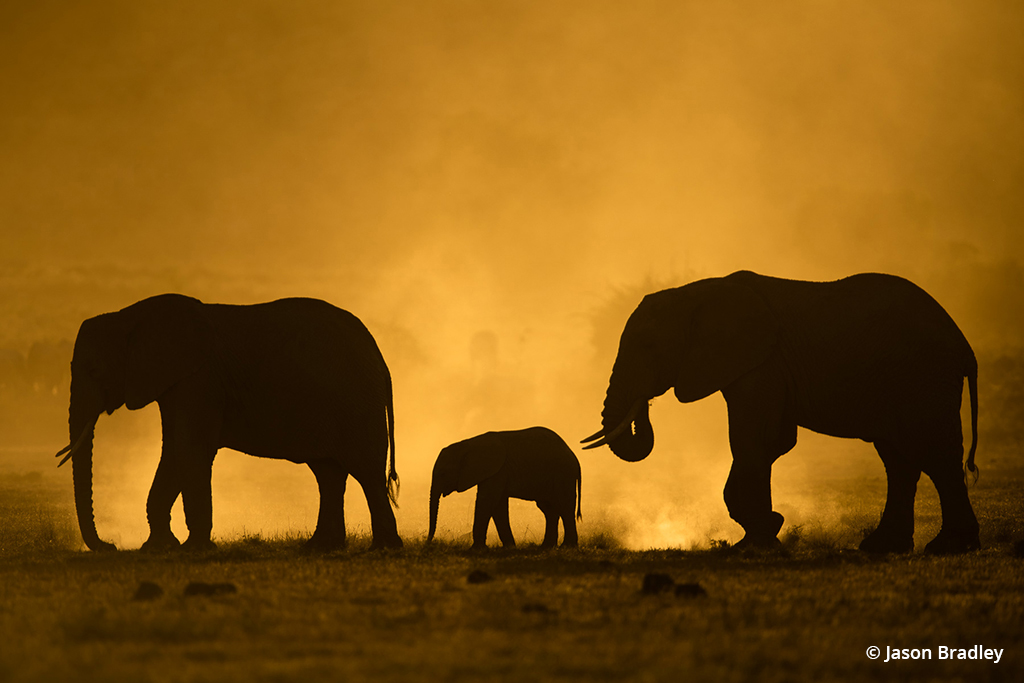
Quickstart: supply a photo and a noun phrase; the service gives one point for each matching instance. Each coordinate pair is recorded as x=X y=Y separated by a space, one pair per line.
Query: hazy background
x=491 y=187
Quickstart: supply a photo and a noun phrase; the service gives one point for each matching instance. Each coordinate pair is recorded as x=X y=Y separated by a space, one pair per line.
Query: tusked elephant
x=294 y=379
x=529 y=464
x=870 y=356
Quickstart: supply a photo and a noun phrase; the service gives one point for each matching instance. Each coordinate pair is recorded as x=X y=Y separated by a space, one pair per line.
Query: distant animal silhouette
x=48 y=365
x=870 y=356
x=13 y=373
x=530 y=464
x=294 y=379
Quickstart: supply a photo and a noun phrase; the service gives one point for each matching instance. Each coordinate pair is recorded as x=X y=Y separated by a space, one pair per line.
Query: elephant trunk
x=435 y=501
x=82 y=424
x=626 y=417
x=636 y=441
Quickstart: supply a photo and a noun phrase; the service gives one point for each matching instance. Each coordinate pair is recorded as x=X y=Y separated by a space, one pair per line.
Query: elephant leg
x=165 y=490
x=382 y=517
x=959 y=532
x=748 y=496
x=503 y=525
x=331 y=479
x=761 y=429
x=197 y=499
x=481 y=520
x=550 y=524
x=895 y=531
x=191 y=418
x=570 y=539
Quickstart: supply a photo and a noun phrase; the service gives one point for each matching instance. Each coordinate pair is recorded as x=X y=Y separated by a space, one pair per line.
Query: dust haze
x=491 y=188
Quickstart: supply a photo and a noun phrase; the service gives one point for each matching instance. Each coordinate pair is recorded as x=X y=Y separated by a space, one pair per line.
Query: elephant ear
x=168 y=342
x=484 y=458
x=731 y=332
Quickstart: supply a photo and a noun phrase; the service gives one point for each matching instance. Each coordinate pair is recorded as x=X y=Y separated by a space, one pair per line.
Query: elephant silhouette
x=871 y=356
x=293 y=379
x=529 y=464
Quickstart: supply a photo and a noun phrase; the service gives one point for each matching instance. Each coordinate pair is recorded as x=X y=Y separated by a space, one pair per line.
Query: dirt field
x=259 y=610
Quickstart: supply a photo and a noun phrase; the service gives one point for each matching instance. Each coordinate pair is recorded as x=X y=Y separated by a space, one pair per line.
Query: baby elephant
x=530 y=464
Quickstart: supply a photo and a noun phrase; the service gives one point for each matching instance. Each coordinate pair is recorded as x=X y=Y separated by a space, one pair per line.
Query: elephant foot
x=323 y=544
x=570 y=545
x=99 y=546
x=758 y=543
x=884 y=543
x=160 y=544
x=393 y=543
x=762 y=534
x=195 y=545
x=953 y=543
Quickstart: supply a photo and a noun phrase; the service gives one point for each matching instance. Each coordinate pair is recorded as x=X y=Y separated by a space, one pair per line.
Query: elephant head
x=127 y=358
x=461 y=466
x=698 y=338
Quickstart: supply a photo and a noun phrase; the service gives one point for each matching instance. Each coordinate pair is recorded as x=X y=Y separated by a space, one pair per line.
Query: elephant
x=294 y=379
x=870 y=356
x=529 y=464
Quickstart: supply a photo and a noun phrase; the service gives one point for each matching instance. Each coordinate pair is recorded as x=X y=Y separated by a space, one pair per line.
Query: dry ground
x=807 y=614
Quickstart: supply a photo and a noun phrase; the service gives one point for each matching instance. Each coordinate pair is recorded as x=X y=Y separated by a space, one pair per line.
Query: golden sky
x=447 y=170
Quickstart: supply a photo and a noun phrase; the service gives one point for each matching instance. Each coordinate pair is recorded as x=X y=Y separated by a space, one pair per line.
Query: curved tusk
x=596 y=435
x=615 y=433
x=70 y=450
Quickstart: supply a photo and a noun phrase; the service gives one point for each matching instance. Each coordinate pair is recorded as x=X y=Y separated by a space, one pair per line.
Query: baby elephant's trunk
x=435 y=501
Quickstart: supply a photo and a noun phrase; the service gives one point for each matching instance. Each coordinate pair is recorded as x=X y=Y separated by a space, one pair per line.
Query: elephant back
x=543 y=466
x=322 y=358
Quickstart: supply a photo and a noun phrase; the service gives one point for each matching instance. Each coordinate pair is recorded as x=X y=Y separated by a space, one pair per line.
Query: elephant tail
x=394 y=485
x=972 y=386
x=579 y=495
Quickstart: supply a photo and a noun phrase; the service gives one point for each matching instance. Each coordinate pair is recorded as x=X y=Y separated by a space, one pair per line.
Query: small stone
x=478 y=576
x=148 y=591
x=209 y=589
x=656 y=583
x=536 y=608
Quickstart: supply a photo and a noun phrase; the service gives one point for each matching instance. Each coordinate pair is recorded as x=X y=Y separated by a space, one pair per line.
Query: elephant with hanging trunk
x=529 y=464
x=294 y=379
x=870 y=356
